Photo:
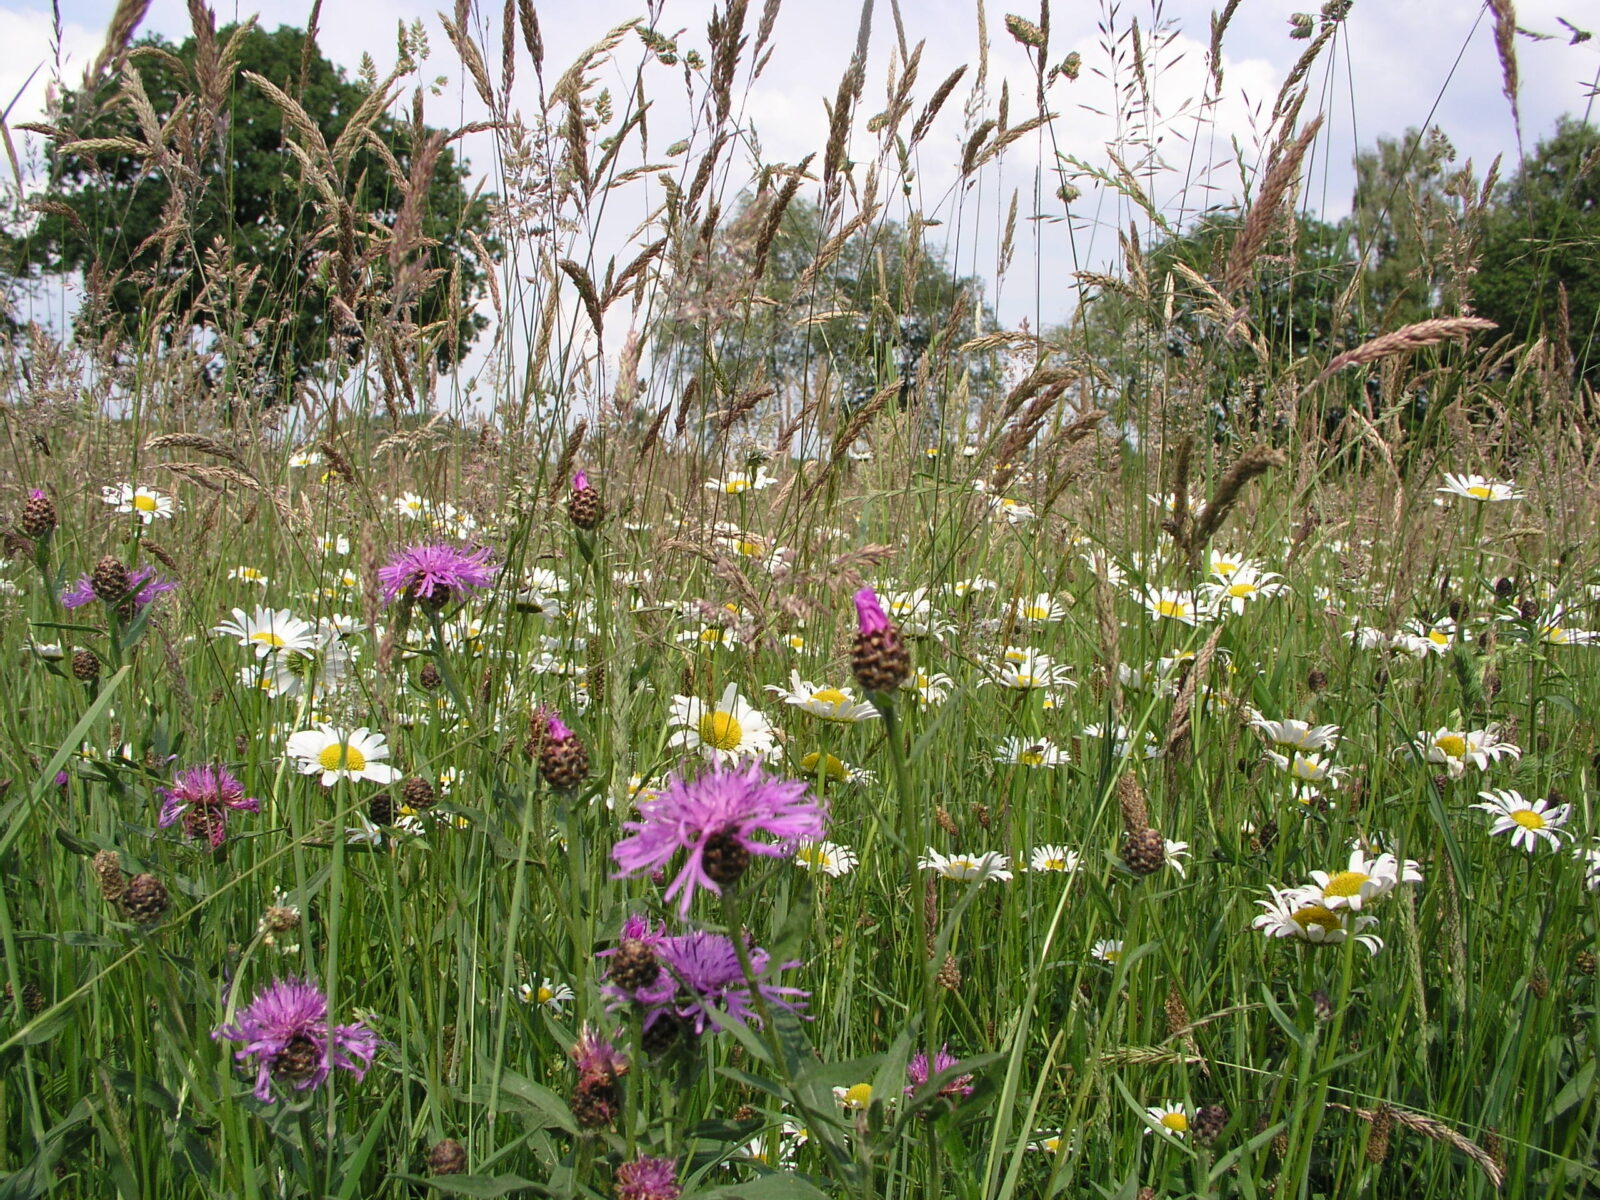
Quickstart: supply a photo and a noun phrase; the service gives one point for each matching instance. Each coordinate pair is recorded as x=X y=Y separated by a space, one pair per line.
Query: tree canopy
x=192 y=198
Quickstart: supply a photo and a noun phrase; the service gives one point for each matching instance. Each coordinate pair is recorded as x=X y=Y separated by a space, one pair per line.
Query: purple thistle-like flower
x=648 y=1178
x=870 y=616
x=144 y=586
x=556 y=730
x=285 y=1028
x=202 y=797
x=580 y=481
x=918 y=1074
x=595 y=1057
x=726 y=806
x=436 y=573
x=700 y=980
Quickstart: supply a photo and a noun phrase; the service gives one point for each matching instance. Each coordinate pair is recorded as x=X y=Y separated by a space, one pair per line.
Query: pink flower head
x=869 y=612
x=720 y=806
x=202 y=796
x=700 y=981
x=144 y=586
x=436 y=573
x=556 y=729
x=595 y=1057
x=285 y=1028
x=580 y=482
x=36 y=494
x=648 y=1178
x=917 y=1074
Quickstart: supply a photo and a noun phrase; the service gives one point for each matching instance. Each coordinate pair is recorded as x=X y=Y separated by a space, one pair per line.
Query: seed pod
x=447 y=1158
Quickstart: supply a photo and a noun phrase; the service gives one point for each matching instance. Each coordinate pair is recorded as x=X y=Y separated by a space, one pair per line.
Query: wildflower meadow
x=628 y=679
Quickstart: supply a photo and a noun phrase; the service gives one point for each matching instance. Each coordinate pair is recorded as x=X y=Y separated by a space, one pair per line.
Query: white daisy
x=1233 y=593
x=983 y=867
x=1043 y=609
x=1107 y=950
x=1026 y=670
x=1053 y=858
x=931 y=690
x=834 y=768
x=1479 y=488
x=1170 y=604
x=1296 y=735
x=245 y=574
x=1300 y=913
x=830 y=858
x=1527 y=822
x=1169 y=1118
x=728 y=731
x=145 y=503
x=270 y=631
x=828 y=702
x=1365 y=879
x=549 y=994
x=1030 y=752
x=1305 y=767
x=742 y=481
x=342 y=754
x=1457 y=750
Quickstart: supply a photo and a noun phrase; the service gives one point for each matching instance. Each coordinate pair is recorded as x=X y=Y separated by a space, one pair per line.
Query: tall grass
x=993 y=464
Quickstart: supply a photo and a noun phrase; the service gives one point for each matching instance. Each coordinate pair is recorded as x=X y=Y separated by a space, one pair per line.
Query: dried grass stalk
x=1406 y=339
x=1263 y=214
x=195 y=441
x=1250 y=464
x=1432 y=1127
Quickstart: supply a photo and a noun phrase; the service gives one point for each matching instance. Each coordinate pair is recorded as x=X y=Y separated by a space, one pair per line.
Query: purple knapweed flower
x=145 y=587
x=436 y=573
x=285 y=1028
x=699 y=980
x=918 y=1074
x=202 y=796
x=715 y=818
x=870 y=617
x=648 y=1178
x=580 y=481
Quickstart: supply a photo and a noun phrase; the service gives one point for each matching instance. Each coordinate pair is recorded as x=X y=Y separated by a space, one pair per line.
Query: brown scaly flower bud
x=298 y=1061
x=416 y=792
x=447 y=1157
x=563 y=761
x=33 y=999
x=948 y=975
x=110 y=580
x=1145 y=852
x=880 y=659
x=1539 y=983
x=380 y=809
x=1130 y=799
x=724 y=859
x=945 y=821
x=108 y=869
x=1176 y=1011
x=583 y=503
x=1378 y=1142
x=1209 y=1121
x=634 y=965
x=1317 y=680
x=85 y=666
x=429 y=678
x=38 y=515
x=146 y=900
x=1585 y=962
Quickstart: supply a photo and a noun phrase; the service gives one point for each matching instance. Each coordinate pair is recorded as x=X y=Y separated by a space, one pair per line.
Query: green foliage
x=222 y=229
x=1543 y=237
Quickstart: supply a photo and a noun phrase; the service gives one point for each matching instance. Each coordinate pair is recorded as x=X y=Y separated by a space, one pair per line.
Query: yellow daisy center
x=832 y=767
x=721 y=731
x=544 y=995
x=1345 y=883
x=711 y=635
x=814 y=856
x=1171 y=608
x=963 y=864
x=750 y=549
x=341 y=756
x=858 y=1095
x=1176 y=1121
x=1554 y=633
x=1241 y=591
x=1036 y=612
x=735 y=486
x=830 y=695
x=1452 y=744
x=1111 y=956
x=1479 y=491
x=1438 y=637
x=1316 y=914
x=1527 y=818
x=267 y=638
x=1221 y=566
x=1053 y=864
x=1031 y=758
x=144 y=502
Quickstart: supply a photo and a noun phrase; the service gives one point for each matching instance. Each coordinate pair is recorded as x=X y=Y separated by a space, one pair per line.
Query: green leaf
x=779 y=1185
x=473 y=1185
x=1579 y=1087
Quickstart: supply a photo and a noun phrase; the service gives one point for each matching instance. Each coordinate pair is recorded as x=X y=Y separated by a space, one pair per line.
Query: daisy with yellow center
x=728 y=731
x=342 y=754
x=249 y=575
x=1301 y=914
x=551 y=994
x=855 y=1098
x=740 y=482
x=271 y=631
x=1170 y=604
x=1107 y=950
x=1456 y=750
x=967 y=867
x=1480 y=488
x=145 y=503
x=1025 y=752
x=828 y=702
x=836 y=769
x=1053 y=858
x=1366 y=878
x=828 y=858
x=1169 y=1118
x=1043 y=609
x=1529 y=823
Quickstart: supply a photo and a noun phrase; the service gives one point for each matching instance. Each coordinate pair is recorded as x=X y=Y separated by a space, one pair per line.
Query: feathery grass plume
x=773 y=220
x=1219 y=26
x=1404 y=340
x=1179 y=524
x=1131 y=802
x=1023 y=430
x=1180 y=724
x=586 y=293
x=569 y=455
x=1431 y=1127
x=1264 y=210
x=197 y=441
x=532 y=37
x=1252 y=463
x=125 y=21
x=1505 y=47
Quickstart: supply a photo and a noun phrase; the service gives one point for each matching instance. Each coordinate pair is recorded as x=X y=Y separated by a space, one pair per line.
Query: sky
x=1397 y=64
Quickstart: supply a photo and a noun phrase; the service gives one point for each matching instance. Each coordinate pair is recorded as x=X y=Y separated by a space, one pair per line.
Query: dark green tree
x=221 y=228
x=1543 y=236
x=1400 y=225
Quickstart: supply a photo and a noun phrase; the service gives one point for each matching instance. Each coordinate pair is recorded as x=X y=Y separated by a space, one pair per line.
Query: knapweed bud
x=447 y=1158
x=38 y=515
x=563 y=761
x=110 y=580
x=146 y=900
x=879 y=658
x=85 y=666
x=583 y=503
